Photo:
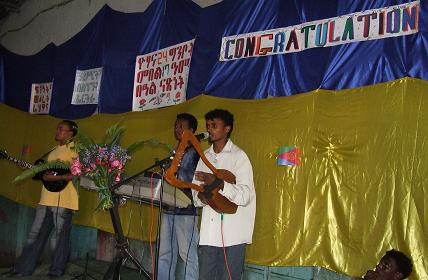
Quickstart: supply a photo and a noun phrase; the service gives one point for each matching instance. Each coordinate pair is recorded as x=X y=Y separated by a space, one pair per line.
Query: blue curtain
x=112 y=40
x=344 y=66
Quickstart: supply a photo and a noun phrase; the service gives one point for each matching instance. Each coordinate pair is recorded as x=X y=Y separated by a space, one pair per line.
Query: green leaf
x=152 y=142
x=101 y=205
x=41 y=168
x=81 y=141
x=113 y=134
x=76 y=183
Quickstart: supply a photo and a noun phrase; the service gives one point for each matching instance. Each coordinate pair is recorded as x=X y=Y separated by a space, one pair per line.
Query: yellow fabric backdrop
x=359 y=190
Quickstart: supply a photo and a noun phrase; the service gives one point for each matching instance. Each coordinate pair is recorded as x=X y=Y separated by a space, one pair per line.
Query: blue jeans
x=213 y=263
x=47 y=218
x=178 y=235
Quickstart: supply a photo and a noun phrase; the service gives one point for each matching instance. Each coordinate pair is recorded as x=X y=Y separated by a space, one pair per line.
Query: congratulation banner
x=161 y=77
x=373 y=24
x=40 y=98
x=87 y=86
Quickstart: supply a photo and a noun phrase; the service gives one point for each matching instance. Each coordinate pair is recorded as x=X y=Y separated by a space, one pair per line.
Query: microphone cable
x=171 y=239
x=190 y=244
x=56 y=222
x=154 y=273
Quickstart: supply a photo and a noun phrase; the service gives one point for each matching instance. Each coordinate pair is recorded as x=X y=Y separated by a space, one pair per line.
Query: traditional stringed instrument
x=52 y=186
x=212 y=197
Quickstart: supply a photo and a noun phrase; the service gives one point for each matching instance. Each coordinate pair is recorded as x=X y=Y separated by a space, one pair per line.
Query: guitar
x=52 y=186
x=214 y=199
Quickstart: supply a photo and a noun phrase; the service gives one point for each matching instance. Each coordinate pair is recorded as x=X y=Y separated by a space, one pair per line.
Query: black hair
x=404 y=263
x=191 y=120
x=224 y=115
x=72 y=125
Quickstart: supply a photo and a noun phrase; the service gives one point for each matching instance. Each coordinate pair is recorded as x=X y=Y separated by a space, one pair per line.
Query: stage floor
x=75 y=270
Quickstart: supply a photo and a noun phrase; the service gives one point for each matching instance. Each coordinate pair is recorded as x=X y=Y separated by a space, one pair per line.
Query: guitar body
x=56 y=186
x=218 y=202
x=52 y=186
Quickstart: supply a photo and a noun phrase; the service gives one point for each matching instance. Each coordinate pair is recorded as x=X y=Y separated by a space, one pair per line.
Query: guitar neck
x=19 y=162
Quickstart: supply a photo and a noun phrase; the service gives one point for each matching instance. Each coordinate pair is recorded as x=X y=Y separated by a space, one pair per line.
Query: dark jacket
x=185 y=172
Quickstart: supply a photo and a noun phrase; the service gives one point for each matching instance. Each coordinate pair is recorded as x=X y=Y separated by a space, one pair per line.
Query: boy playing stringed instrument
x=54 y=212
x=223 y=237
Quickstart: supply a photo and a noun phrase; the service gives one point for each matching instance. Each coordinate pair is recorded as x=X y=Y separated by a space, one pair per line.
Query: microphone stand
x=85 y=273
x=122 y=244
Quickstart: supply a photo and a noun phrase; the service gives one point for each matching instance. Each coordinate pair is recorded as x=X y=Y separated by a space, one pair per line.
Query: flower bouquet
x=104 y=162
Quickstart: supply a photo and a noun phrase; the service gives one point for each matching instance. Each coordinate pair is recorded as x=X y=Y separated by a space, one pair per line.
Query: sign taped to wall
x=161 y=77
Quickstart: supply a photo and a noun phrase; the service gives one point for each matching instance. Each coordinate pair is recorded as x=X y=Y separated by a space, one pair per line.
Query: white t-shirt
x=237 y=228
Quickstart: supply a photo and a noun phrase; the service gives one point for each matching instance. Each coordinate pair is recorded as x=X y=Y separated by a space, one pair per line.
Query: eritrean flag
x=288 y=156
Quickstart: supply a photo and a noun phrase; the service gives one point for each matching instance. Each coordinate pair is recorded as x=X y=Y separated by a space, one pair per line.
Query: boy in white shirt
x=223 y=237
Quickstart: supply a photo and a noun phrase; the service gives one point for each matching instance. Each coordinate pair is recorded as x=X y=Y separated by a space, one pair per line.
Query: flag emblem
x=289 y=156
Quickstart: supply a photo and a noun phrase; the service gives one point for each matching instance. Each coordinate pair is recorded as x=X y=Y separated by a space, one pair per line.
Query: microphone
x=202 y=136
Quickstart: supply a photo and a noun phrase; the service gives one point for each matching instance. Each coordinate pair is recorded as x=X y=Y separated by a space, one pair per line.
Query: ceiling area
x=8 y=7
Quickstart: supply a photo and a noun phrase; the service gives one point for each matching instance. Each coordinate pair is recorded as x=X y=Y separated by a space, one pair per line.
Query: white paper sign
x=40 y=98
x=87 y=86
x=161 y=77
